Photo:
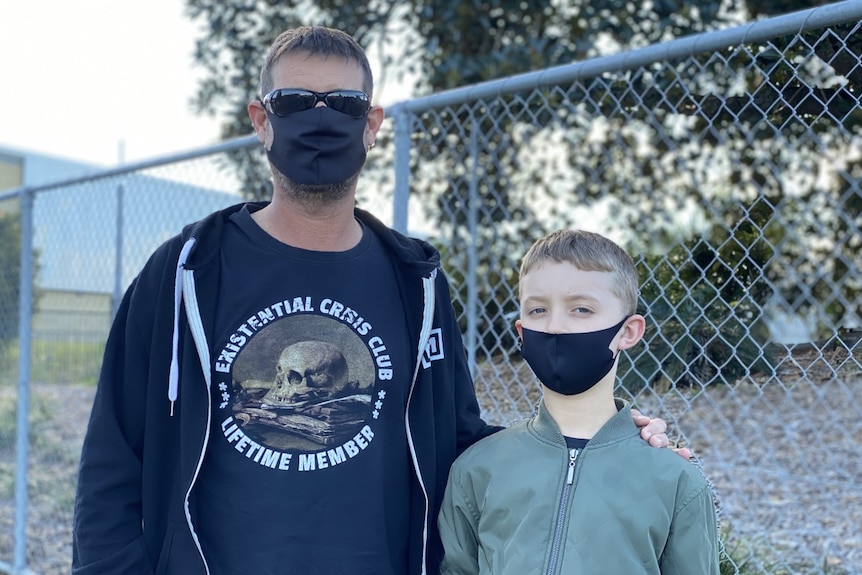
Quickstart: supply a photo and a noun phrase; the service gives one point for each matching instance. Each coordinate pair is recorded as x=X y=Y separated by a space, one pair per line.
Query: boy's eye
x=536 y=311
x=582 y=310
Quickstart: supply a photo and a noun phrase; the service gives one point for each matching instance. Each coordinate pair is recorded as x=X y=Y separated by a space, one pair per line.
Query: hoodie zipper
x=193 y=315
x=561 y=512
x=424 y=335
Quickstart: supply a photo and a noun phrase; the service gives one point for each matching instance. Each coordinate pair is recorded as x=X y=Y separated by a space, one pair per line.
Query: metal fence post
x=402 y=170
x=25 y=299
x=118 y=255
x=472 y=275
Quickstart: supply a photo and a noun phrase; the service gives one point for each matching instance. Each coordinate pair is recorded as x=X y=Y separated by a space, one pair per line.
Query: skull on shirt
x=308 y=371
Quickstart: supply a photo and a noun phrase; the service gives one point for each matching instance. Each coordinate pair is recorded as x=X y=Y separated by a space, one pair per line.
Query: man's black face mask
x=319 y=146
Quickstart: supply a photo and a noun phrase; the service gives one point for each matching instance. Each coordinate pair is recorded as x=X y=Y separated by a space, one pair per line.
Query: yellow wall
x=10 y=174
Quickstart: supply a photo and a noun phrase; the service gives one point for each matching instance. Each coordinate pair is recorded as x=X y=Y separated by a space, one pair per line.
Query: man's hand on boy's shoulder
x=654 y=431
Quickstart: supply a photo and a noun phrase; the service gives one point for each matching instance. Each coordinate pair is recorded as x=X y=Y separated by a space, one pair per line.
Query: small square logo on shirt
x=434 y=350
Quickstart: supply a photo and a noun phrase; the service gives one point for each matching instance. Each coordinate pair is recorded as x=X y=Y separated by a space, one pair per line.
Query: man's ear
x=519 y=329
x=257 y=115
x=375 y=120
x=632 y=331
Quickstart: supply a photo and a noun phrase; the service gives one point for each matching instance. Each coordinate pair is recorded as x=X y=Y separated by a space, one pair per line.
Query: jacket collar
x=620 y=426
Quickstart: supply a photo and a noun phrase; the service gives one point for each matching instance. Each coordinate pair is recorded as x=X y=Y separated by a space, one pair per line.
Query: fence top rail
x=226 y=146
x=756 y=31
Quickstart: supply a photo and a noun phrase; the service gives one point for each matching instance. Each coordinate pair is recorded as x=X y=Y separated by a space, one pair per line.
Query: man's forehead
x=305 y=67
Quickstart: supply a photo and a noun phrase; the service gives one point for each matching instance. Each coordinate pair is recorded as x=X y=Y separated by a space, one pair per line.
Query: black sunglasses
x=284 y=101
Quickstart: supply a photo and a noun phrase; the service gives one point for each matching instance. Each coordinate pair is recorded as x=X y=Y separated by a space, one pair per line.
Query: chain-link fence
x=727 y=163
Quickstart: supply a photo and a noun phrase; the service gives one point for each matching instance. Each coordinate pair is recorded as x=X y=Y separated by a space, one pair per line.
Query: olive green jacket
x=520 y=502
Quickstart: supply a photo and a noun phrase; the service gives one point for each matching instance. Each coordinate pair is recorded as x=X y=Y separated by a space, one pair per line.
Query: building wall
x=11 y=172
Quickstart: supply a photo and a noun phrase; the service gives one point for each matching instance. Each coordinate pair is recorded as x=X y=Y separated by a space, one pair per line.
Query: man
x=284 y=388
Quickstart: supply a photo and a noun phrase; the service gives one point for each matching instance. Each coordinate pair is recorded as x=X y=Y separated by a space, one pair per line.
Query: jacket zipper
x=561 y=512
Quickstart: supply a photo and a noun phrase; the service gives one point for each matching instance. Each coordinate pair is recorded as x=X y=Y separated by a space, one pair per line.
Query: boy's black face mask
x=569 y=363
x=318 y=146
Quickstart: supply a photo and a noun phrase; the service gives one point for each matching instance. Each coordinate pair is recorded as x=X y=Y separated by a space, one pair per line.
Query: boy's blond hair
x=590 y=252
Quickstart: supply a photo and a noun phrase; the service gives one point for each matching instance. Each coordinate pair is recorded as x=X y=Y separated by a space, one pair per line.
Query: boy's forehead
x=553 y=278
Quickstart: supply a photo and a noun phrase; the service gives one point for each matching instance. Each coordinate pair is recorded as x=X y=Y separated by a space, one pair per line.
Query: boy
x=573 y=489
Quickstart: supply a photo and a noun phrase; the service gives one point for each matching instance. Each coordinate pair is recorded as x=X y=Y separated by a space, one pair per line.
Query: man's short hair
x=315 y=41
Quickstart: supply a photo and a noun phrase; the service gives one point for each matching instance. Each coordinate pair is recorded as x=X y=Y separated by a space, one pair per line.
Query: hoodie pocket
x=179 y=554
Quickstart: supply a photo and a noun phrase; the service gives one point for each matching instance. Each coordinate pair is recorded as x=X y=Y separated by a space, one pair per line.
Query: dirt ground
x=781 y=452
x=59 y=416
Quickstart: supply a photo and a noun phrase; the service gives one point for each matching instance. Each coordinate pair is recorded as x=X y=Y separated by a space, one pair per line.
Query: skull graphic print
x=301 y=383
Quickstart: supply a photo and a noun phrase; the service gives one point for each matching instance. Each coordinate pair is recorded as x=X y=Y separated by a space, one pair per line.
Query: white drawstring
x=173 y=382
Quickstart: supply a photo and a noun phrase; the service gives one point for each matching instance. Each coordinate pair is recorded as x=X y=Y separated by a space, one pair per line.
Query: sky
x=99 y=81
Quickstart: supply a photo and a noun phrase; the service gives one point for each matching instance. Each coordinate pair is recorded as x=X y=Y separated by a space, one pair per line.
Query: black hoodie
x=151 y=418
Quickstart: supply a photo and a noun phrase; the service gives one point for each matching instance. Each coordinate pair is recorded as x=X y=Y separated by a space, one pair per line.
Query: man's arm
x=107 y=532
x=469 y=425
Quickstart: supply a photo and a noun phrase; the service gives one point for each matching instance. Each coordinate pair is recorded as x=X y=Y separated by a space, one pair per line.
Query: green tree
x=10 y=279
x=445 y=43
x=475 y=166
x=10 y=263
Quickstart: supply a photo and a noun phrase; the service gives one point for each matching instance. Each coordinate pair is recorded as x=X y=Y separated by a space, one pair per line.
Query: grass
x=752 y=557
x=55 y=361
x=40 y=415
x=51 y=474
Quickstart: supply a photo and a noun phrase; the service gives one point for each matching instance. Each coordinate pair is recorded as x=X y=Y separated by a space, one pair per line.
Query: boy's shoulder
x=663 y=465
x=504 y=443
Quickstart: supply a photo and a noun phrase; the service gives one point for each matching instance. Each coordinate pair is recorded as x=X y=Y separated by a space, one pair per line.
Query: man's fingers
x=684 y=452
x=656 y=426
x=640 y=419
x=660 y=440
x=654 y=431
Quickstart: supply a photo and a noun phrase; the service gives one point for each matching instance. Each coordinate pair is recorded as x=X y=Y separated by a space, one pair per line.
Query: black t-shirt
x=307 y=469
x=576 y=442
